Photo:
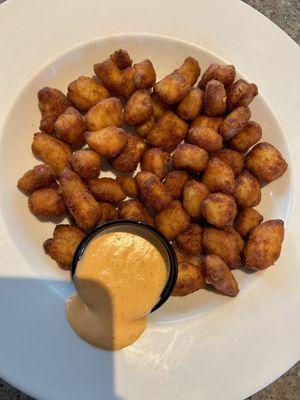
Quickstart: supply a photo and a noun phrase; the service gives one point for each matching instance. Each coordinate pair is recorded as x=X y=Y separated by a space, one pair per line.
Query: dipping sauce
x=119 y=279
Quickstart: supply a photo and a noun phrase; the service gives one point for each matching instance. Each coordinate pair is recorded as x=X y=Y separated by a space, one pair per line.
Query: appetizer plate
x=203 y=346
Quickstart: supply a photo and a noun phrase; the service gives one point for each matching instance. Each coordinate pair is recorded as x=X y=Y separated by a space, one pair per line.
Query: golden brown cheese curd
x=159 y=106
x=189 y=70
x=234 y=122
x=168 y=132
x=191 y=105
x=155 y=160
x=105 y=113
x=241 y=94
x=247 y=219
x=247 y=137
x=206 y=138
x=108 y=212
x=144 y=128
x=234 y=159
x=247 y=190
x=130 y=156
x=108 y=142
x=219 y=275
x=70 y=127
x=144 y=75
x=52 y=103
x=190 y=241
x=87 y=163
x=52 y=151
x=152 y=192
x=238 y=238
x=85 y=92
x=265 y=162
x=263 y=246
x=207 y=122
x=172 y=220
x=79 y=200
x=172 y=88
x=134 y=209
x=190 y=157
x=194 y=193
x=46 y=203
x=222 y=73
x=219 y=176
x=215 y=98
x=107 y=190
x=39 y=177
x=219 y=209
x=124 y=82
x=223 y=244
x=174 y=183
x=121 y=58
x=110 y=75
x=138 y=108
x=62 y=246
x=129 y=185
x=190 y=273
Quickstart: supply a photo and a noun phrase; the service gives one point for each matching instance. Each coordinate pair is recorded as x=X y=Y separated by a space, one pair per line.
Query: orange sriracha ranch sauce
x=119 y=279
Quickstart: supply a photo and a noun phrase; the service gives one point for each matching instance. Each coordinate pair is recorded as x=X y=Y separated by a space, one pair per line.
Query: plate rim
x=293 y=174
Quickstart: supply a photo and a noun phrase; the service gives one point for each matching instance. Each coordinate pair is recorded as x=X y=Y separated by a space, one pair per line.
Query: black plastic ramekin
x=147 y=232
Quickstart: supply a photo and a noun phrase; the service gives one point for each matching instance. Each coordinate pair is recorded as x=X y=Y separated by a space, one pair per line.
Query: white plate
x=203 y=346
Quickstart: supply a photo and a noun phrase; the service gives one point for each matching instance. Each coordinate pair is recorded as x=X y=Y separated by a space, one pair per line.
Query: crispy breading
x=194 y=193
x=223 y=244
x=168 y=132
x=172 y=220
x=174 y=183
x=134 y=209
x=62 y=246
x=129 y=185
x=219 y=209
x=265 y=162
x=79 y=200
x=247 y=137
x=190 y=157
x=219 y=176
x=155 y=160
x=85 y=92
x=108 y=142
x=190 y=273
x=46 y=203
x=206 y=138
x=247 y=190
x=107 y=190
x=130 y=156
x=190 y=241
x=70 y=127
x=247 y=219
x=222 y=73
x=263 y=246
x=52 y=103
x=39 y=177
x=87 y=163
x=152 y=192
x=52 y=151
x=107 y=112
x=219 y=275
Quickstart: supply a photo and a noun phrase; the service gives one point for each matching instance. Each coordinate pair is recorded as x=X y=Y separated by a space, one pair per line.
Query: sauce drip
x=118 y=280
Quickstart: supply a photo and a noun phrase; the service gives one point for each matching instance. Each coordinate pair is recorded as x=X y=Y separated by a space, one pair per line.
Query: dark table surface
x=286 y=14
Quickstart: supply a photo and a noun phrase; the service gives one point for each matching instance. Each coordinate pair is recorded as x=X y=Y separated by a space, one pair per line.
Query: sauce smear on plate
x=119 y=279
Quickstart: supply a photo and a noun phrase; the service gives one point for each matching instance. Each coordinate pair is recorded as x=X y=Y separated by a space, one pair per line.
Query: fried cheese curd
x=185 y=155
x=62 y=246
x=191 y=275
